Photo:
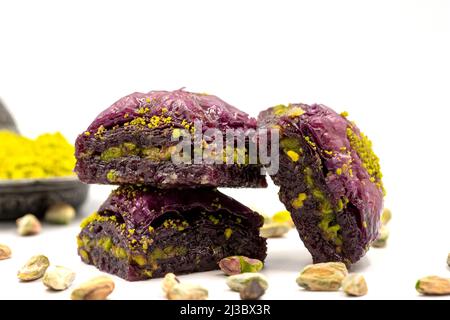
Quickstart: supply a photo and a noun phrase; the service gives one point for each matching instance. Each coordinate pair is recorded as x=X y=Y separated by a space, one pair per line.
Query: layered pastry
x=329 y=178
x=134 y=140
x=141 y=233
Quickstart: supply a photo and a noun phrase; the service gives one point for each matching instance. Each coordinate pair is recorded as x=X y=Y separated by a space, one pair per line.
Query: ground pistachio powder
x=49 y=155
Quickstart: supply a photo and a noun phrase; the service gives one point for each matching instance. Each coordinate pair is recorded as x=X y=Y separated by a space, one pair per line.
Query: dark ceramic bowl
x=19 y=197
x=6 y=120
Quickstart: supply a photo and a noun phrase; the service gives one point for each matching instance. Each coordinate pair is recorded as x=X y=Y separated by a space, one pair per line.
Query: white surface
x=386 y=62
x=391 y=272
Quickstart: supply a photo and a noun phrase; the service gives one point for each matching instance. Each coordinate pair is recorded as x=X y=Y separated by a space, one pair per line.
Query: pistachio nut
x=240 y=264
x=239 y=281
x=5 y=252
x=58 y=278
x=28 y=225
x=283 y=217
x=60 y=213
x=253 y=290
x=169 y=281
x=433 y=285
x=322 y=276
x=187 y=291
x=98 y=288
x=274 y=230
x=34 y=268
x=381 y=240
x=386 y=216
x=355 y=285
x=267 y=219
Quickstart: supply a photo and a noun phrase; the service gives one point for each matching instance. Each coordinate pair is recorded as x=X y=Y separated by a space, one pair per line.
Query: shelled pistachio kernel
x=98 y=288
x=28 y=225
x=239 y=281
x=60 y=213
x=187 y=291
x=381 y=240
x=355 y=285
x=433 y=285
x=34 y=268
x=169 y=281
x=58 y=278
x=267 y=219
x=253 y=290
x=386 y=216
x=240 y=264
x=5 y=252
x=322 y=276
x=283 y=217
x=448 y=260
x=274 y=230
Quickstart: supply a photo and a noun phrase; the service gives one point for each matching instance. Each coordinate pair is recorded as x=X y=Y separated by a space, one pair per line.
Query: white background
x=386 y=62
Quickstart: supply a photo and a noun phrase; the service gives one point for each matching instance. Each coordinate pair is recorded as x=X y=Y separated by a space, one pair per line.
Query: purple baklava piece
x=141 y=233
x=329 y=178
x=133 y=141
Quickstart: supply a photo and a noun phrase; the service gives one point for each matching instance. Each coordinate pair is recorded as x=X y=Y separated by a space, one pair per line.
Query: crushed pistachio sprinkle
x=49 y=155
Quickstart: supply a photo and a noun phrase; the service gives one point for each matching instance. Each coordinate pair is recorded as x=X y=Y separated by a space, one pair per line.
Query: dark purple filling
x=168 y=175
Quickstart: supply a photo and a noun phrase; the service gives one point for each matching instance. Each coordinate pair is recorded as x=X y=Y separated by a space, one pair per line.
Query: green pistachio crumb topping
x=228 y=233
x=139 y=259
x=213 y=219
x=110 y=154
x=363 y=147
x=84 y=255
x=290 y=111
x=293 y=155
x=310 y=142
x=297 y=203
x=112 y=175
x=290 y=144
x=329 y=228
x=176 y=133
x=154 y=153
x=119 y=252
x=105 y=243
